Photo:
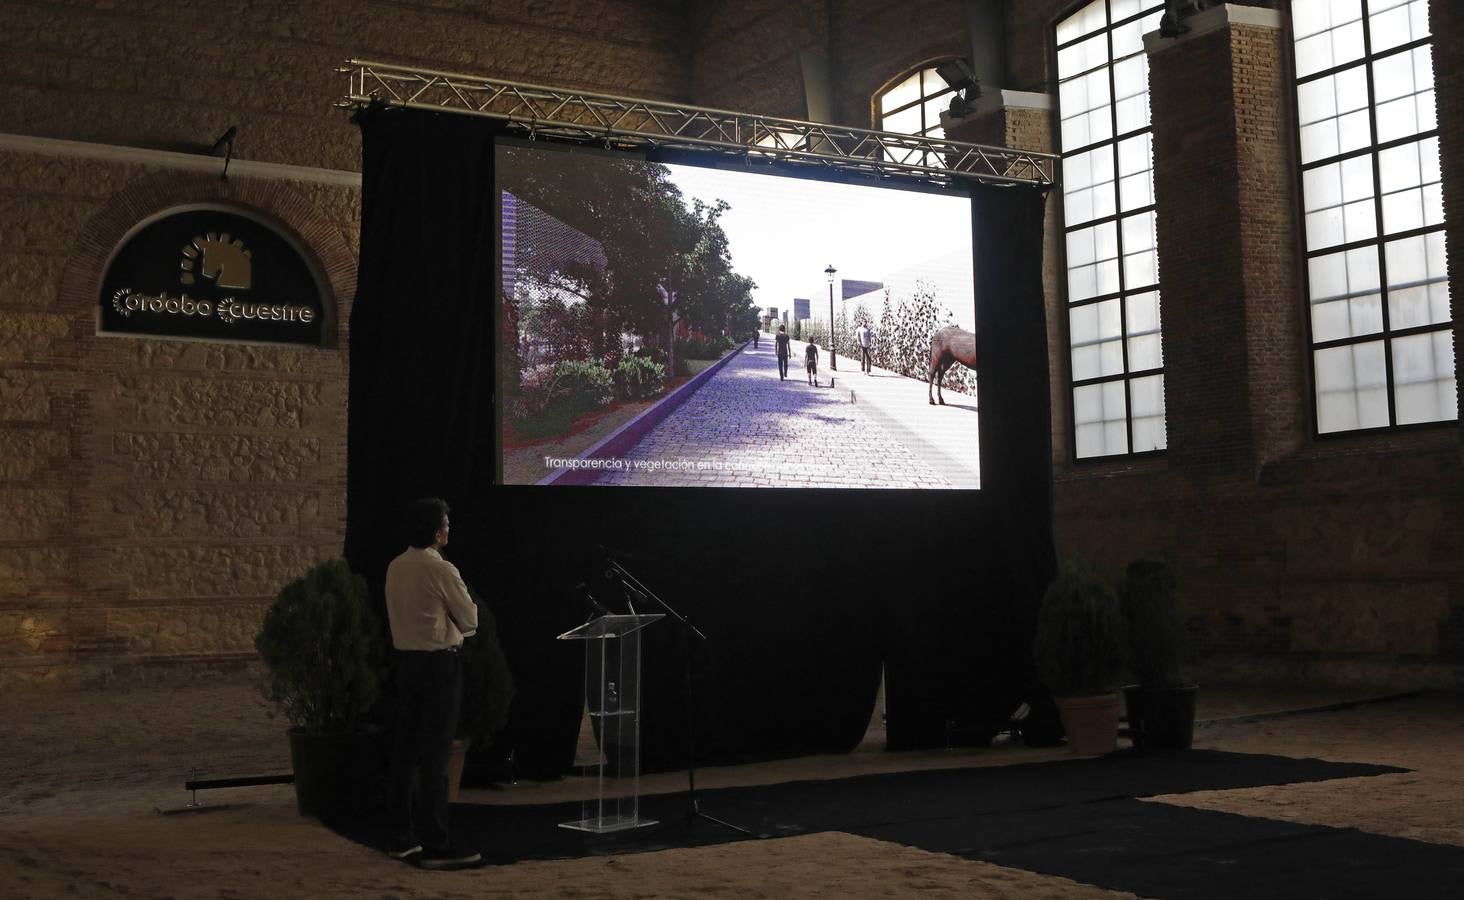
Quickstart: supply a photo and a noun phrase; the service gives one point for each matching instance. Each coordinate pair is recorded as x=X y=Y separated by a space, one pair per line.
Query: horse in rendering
x=949 y=346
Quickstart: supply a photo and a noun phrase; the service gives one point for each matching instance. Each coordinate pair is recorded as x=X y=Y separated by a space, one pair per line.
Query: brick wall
x=1196 y=112
x=746 y=55
x=157 y=494
x=875 y=42
x=1339 y=558
x=176 y=73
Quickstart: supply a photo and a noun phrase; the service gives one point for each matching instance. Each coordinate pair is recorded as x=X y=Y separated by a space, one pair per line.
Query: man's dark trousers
x=429 y=690
x=782 y=366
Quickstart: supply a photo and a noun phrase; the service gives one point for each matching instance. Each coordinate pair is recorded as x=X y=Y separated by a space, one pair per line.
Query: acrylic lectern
x=612 y=695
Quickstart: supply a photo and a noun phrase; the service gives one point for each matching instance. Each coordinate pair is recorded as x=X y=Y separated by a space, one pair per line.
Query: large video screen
x=670 y=325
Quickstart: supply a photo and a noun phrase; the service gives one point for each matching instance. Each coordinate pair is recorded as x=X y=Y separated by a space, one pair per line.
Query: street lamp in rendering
x=833 y=360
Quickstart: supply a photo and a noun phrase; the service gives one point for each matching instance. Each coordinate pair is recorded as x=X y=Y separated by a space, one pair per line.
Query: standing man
x=782 y=341
x=865 y=337
x=430 y=614
x=756 y=333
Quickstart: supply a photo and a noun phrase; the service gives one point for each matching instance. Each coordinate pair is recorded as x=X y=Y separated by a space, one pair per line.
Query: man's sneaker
x=403 y=847
x=449 y=858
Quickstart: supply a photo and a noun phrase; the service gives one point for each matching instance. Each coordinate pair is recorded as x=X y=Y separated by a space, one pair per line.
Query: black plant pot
x=1161 y=718
x=1043 y=725
x=336 y=773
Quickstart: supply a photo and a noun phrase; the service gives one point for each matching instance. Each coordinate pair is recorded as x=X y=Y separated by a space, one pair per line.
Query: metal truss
x=625 y=123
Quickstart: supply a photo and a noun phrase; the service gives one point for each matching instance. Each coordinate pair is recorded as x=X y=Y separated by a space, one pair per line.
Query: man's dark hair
x=424 y=520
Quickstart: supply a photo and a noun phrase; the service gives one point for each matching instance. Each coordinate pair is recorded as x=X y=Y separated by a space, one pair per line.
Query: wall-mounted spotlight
x=958 y=75
x=1171 y=24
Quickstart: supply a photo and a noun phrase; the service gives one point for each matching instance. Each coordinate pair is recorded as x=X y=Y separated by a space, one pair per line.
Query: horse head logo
x=215 y=257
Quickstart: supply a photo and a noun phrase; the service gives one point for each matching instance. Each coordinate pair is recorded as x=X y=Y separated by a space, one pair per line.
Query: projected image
x=674 y=325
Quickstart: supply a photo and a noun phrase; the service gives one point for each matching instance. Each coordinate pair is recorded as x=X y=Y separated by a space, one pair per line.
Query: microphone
x=583 y=590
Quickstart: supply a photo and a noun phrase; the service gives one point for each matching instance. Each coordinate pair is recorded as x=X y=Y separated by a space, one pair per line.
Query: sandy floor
x=85 y=773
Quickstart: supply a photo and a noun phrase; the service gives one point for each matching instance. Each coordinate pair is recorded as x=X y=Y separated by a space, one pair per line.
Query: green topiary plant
x=320 y=644
x=1079 y=645
x=1158 y=644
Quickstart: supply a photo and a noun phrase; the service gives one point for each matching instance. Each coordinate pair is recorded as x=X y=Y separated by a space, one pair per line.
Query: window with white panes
x=1376 y=267
x=1111 y=252
x=913 y=106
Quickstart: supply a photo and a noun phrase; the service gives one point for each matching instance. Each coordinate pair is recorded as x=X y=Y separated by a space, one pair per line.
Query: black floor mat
x=1074 y=818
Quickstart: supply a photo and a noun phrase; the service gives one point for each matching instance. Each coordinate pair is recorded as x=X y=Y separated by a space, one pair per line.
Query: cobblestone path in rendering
x=745 y=428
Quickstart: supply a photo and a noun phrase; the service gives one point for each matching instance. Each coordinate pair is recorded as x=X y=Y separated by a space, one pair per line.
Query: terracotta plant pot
x=1091 y=723
x=455 y=759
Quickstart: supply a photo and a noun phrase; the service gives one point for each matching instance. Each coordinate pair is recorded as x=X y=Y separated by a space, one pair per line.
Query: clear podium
x=612 y=695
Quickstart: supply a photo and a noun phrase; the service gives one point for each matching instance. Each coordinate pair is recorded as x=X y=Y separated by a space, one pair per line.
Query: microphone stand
x=633 y=587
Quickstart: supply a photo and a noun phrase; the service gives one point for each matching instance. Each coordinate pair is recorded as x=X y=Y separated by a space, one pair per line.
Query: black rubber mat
x=1080 y=819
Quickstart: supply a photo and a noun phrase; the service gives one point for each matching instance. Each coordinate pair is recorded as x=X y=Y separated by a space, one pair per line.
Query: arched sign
x=211 y=273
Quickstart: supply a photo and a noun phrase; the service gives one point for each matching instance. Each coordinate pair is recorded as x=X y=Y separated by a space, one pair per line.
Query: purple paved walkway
x=746 y=428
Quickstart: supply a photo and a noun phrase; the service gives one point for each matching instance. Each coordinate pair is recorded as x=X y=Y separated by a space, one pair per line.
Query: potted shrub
x=321 y=651
x=1161 y=707
x=1079 y=649
x=488 y=692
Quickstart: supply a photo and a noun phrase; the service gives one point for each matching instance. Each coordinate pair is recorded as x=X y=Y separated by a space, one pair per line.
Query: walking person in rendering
x=865 y=336
x=782 y=342
x=430 y=614
x=810 y=362
x=756 y=333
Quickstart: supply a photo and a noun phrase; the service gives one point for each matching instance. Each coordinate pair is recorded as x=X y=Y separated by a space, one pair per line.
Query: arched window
x=1377 y=281
x=913 y=104
x=1111 y=249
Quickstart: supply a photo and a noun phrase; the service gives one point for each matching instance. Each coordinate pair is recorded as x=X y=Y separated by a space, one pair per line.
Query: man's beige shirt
x=427 y=603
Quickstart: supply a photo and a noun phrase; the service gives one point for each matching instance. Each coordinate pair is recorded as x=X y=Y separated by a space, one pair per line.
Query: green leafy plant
x=1158 y=644
x=638 y=378
x=583 y=384
x=710 y=347
x=488 y=688
x=1079 y=645
x=321 y=648
x=550 y=397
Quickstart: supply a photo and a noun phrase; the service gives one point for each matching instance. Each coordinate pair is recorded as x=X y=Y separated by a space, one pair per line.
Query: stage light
x=1171 y=24
x=957 y=74
x=833 y=360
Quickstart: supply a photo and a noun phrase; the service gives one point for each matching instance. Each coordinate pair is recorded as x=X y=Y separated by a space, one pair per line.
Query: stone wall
x=158 y=493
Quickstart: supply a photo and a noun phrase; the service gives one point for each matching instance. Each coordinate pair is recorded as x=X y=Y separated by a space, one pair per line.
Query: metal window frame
x=1124 y=289
x=635 y=124
x=920 y=100
x=1374 y=149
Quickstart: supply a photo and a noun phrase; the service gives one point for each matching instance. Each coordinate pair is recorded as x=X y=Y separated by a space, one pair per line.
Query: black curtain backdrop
x=803 y=595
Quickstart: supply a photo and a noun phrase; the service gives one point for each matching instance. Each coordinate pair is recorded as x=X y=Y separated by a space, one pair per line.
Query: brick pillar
x=1228 y=255
x=1446 y=21
x=1022 y=120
